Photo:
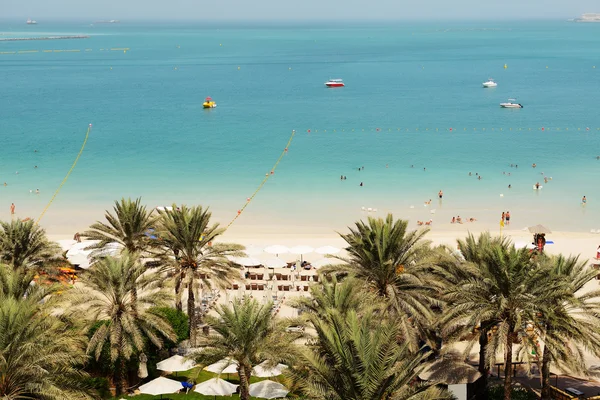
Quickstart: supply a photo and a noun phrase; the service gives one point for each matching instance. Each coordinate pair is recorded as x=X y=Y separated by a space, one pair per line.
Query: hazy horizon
x=310 y=10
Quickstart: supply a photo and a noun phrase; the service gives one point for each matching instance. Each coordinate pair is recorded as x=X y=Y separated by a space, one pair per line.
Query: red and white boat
x=334 y=83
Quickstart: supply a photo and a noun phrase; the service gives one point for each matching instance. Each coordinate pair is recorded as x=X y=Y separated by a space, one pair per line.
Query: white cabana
x=327 y=250
x=262 y=371
x=176 y=363
x=216 y=387
x=274 y=262
x=81 y=247
x=160 y=386
x=80 y=259
x=277 y=249
x=225 y=366
x=268 y=390
x=66 y=244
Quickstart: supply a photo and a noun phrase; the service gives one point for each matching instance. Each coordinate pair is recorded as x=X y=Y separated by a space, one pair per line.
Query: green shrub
x=178 y=321
x=518 y=393
x=100 y=385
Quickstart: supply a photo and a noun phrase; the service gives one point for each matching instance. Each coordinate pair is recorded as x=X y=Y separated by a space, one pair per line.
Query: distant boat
x=334 y=83
x=510 y=104
x=490 y=83
x=31 y=22
x=209 y=103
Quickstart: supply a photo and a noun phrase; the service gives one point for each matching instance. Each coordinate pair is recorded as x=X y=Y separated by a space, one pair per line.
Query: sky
x=294 y=9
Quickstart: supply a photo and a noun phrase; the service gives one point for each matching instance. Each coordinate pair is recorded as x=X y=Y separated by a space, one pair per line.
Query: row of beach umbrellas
x=299 y=250
x=266 y=389
x=216 y=387
x=276 y=262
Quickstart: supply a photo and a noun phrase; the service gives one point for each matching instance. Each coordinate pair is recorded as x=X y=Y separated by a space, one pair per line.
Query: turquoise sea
x=407 y=84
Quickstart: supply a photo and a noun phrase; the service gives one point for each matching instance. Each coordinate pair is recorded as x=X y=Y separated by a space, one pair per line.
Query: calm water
x=407 y=85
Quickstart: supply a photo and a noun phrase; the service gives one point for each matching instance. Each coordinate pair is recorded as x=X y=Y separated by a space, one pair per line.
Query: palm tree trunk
x=508 y=364
x=483 y=370
x=244 y=374
x=546 y=374
x=120 y=376
x=178 y=280
x=192 y=313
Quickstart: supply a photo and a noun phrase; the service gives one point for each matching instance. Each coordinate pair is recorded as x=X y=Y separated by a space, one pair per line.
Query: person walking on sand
x=12 y=209
x=503 y=216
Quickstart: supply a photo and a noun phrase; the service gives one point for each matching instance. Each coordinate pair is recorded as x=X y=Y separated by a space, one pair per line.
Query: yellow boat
x=209 y=103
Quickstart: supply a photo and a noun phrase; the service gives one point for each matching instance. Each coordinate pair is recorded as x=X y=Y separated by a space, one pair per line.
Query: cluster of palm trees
x=385 y=313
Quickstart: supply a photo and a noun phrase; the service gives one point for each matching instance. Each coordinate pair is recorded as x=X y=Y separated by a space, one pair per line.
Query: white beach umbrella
x=160 y=386
x=327 y=250
x=66 y=244
x=323 y=262
x=216 y=387
x=268 y=390
x=262 y=371
x=247 y=261
x=277 y=249
x=274 y=262
x=301 y=250
x=175 y=364
x=253 y=250
x=225 y=366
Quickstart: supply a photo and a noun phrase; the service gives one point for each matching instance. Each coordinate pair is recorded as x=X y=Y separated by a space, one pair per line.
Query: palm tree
x=119 y=294
x=394 y=263
x=453 y=268
x=24 y=244
x=21 y=283
x=248 y=334
x=344 y=296
x=569 y=323
x=130 y=226
x=506 y=291
x=39 y=353
x=360 y=358
x=193 y=258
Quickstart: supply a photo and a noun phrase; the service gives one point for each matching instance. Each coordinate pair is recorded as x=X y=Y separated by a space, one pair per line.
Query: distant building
x=588 y=17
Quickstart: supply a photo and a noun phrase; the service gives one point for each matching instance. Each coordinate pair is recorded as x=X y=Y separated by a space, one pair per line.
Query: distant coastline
x=44 y=38
x=588 y=17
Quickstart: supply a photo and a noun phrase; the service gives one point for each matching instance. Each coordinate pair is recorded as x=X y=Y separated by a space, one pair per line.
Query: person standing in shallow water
x=12 y=209
x=440 y=194
x=507 y=216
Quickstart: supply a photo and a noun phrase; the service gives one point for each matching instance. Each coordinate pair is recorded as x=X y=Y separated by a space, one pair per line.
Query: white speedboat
x=490 y=83
x=511 y=103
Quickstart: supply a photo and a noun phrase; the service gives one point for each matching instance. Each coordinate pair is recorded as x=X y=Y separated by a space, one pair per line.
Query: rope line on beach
x=266 y=178
x=87 y=135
